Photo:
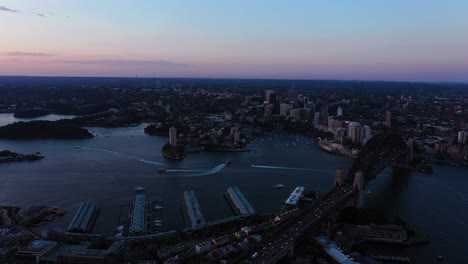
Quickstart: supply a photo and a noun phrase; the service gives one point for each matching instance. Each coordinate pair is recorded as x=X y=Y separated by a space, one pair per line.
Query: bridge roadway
x=377 y=154
x=284 y=237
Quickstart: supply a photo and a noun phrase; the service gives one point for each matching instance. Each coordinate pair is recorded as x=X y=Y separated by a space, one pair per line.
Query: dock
x=191 y=208
x=139 y=216
x=239 y=204
x=84 y=219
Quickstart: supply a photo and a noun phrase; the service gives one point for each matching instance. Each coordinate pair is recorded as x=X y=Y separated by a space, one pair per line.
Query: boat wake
x=153 y=162
x=196 y=173
x=180 y=172
x=124 y=155
x=184 y=170
x=285 y=168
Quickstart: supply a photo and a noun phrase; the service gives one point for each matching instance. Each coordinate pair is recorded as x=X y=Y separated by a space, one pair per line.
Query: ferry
x=139 y=189
x=157 y=207
x=227 y=162
x=278 y=186
x=161 y=170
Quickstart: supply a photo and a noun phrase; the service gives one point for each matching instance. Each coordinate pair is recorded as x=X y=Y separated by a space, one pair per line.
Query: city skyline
x=397 y=41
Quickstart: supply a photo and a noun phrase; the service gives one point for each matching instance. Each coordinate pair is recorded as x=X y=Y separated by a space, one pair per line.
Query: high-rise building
x=462 y=137
x=324 y=115
x=235 y=134
x=409 y=153
x=272 y=99
x=367 y=133
x=360 y=133
x=284 y=109
x=267 y=110
x=388 y=119
x=316 y=119
x=268 y=93
x=173 y=136
x=339 y=111
x=295 y=113
x=352 y=131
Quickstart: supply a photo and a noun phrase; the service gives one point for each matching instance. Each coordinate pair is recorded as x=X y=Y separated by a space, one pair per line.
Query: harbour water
x=8 y=118
x=108 y=167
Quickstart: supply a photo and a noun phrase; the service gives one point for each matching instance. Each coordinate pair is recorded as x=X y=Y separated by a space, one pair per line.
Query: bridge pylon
x=358 y=186
x=339 y=179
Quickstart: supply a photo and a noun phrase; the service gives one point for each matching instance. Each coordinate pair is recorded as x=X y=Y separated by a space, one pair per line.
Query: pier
x=139 y=216
x=191 y=208
x=239 y=204
x=84 y=219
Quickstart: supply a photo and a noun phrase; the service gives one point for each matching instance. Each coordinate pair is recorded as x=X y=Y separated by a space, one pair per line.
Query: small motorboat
x=278 y=186
x=157 y=207
x=227 y=162
x=161 y=170
x=77 y=147
x=120 y=229
x=139 y=189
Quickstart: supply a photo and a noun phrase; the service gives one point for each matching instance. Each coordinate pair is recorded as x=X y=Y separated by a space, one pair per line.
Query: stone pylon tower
x=358 y=186
x=338 y=178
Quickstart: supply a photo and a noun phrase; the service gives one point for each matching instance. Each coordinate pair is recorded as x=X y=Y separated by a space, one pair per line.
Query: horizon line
x=236 y=78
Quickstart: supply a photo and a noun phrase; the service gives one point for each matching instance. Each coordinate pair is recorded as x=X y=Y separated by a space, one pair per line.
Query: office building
x=284 y=109
x=339 y=111
x=316 y=119
x=173 y=136
x=462 y=137
x=367 y=133
x=268 y=94
x=388 y=119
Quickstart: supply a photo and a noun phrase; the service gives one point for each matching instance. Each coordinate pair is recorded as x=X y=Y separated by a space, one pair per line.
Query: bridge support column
x=338 y=177
x=358 y=186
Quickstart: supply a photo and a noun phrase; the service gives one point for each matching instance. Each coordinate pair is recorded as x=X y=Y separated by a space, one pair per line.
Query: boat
x=139 y=189
x=227 y=162
x=77 y=147
x=157 y=207
x=278 y=186
x=162 y=169
x=120 y=229
x=157 y=221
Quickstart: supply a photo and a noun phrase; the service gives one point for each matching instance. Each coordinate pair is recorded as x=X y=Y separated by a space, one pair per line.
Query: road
x=270 y=249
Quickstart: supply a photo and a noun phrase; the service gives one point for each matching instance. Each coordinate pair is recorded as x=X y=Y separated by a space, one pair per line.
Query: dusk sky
x=397 y=40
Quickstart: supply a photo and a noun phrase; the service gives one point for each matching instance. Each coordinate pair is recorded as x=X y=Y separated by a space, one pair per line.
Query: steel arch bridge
x=378 y=153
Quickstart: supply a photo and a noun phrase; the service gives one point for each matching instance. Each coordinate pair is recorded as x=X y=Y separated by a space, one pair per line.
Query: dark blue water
x=108 y=167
